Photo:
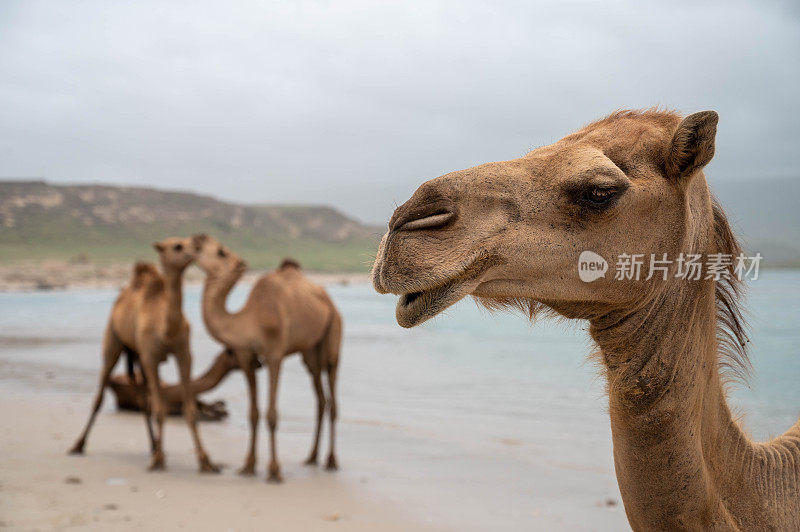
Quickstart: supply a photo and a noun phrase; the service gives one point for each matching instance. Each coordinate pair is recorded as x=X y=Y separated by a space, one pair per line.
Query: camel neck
x=173 y=289
x=213 y=376
x=671 y=426
x=220 y=323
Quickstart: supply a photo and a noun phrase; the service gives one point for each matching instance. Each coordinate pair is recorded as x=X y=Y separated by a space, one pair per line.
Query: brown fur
x=284 y=314
x=510 y=234
x=147 y=323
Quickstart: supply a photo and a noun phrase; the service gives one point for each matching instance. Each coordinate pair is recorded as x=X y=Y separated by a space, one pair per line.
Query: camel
x=147 y=323
x=510 y=234
x=285 y=313
x=127 y=390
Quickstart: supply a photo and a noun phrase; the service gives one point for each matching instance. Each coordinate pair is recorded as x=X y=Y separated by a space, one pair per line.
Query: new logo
x=591 y=266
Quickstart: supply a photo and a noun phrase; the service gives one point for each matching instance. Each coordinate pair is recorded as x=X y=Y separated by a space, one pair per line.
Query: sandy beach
x=45 y=489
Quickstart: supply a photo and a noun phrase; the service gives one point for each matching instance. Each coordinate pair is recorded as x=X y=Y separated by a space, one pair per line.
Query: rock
x=73 y=480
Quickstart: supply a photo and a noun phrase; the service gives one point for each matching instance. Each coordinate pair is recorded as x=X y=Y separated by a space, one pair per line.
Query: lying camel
x=147 y=323
x=284 y=314
x=127 y=390
x=511 y=234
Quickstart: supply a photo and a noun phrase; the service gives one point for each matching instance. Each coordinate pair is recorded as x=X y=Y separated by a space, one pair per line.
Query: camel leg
x=274 y=368
x=316 y=378
x=184 y=360
x=330 y=359
x=249 y=467
x=112 y=348
x=150 y=372
x=148 y=422
x=332 y=464
x=142 y=390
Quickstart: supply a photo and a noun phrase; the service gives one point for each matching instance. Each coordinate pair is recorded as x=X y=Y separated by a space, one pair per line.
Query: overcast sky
x=355 y=103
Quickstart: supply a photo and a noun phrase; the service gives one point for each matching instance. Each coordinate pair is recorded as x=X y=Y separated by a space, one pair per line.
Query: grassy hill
x=107 y=224
x=111 y=225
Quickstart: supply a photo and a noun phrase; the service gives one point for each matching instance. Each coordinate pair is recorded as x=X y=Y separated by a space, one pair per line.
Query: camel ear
x=158 y=246
x=692 y=146
x=198 y=240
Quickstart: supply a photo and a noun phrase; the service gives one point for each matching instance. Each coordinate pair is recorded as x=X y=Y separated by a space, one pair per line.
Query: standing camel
x=510 y=234
x=147 y=323
x=284 y=314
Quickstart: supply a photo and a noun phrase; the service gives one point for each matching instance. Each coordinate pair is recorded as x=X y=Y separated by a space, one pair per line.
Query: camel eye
x=178 y=247
x=221 y=253
x=599 y=197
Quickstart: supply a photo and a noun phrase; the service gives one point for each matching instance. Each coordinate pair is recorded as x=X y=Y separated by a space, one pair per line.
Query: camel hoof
x=247 y=470
x=311 y=461
x=275 y=477
x=77 y=449
x=157 y=465
x=207 y=467
x=332 y=465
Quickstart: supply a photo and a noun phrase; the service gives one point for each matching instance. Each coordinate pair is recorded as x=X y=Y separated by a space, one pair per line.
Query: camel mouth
x=415 y=308
x=419 y=306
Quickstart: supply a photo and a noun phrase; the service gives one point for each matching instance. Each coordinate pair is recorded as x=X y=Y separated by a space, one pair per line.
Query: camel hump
x=289 y=263
x=143 y=268
x=142 y=273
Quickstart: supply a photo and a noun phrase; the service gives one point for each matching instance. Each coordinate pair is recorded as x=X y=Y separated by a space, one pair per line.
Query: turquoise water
x=465 y=355
x=501 y=417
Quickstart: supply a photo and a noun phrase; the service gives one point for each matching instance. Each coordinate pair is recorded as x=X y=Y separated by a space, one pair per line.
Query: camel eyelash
x=596 y=197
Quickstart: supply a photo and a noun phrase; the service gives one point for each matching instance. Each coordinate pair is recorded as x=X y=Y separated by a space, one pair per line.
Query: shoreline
x=60 y=275
x=54 y=275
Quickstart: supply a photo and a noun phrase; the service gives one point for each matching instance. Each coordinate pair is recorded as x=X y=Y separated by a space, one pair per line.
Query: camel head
x=175 y=253
x=217 y=260
x=512 y=232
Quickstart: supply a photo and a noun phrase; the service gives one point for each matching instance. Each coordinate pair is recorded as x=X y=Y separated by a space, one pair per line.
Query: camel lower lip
x=414 y=308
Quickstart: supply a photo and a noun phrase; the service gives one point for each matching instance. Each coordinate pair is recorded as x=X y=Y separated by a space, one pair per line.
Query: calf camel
x=147 y=323
x=284 y=314
x=510 y=234
x=127 y=390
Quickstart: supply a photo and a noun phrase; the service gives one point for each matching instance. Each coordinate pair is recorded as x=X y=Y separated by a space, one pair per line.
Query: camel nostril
x=428 y=215
x=428 y=222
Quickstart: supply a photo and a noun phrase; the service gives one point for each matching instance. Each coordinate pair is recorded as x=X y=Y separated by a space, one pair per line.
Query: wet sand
x=395 y=475
x=44 y=489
